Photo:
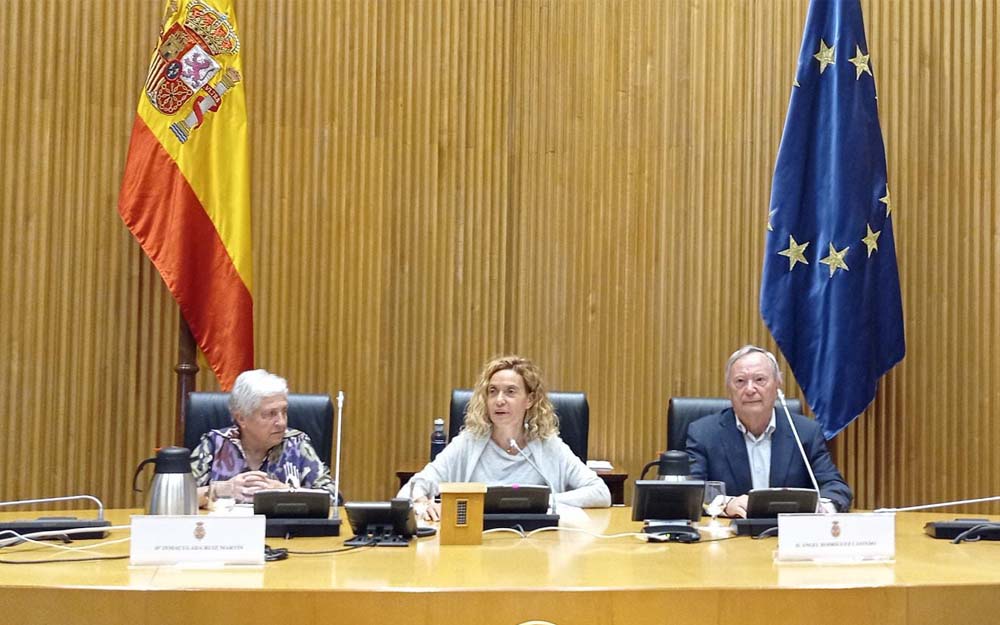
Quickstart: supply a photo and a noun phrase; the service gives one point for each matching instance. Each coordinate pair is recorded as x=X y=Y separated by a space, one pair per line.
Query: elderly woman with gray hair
x=259 y=449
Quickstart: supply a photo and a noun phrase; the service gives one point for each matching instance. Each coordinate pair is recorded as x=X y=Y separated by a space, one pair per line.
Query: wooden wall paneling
x=316 y=194
x=63 y=150
x=421 y=101
x=934 y=133
x=436 y=183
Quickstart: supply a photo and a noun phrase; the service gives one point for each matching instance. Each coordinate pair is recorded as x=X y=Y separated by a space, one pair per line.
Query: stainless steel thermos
x=173 y=490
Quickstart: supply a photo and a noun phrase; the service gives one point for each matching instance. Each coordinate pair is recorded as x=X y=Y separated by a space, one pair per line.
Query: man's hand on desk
x=736 y=507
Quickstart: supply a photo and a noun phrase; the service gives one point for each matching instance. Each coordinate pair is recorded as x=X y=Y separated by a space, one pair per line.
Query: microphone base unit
x=526 y=522
x=59 y=524
x=679 y=531
x=951 y=529
x=290 y=528
x=753 y=527
x=379 y=535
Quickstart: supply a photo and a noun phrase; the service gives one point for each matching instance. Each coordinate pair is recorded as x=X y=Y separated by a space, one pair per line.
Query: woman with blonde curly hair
x=511 y=436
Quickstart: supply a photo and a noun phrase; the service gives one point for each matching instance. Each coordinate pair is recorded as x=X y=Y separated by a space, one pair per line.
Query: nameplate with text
x=197 y=539
x=847 y=537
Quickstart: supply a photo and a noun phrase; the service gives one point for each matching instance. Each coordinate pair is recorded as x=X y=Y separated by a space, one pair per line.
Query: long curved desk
x=563 y=578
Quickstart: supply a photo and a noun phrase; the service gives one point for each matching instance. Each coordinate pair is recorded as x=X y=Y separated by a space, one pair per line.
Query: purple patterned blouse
x=219 y=456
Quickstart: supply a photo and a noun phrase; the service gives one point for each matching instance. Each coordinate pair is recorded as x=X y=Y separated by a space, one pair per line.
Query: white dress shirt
x=759 y=452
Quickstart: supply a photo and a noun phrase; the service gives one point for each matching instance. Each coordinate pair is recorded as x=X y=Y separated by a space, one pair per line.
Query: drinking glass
x=715 y=498
x=221 y=497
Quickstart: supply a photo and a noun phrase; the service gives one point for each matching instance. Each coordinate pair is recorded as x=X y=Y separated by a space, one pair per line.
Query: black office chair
x=683 y=411
x=312 y=414
x=571 y=408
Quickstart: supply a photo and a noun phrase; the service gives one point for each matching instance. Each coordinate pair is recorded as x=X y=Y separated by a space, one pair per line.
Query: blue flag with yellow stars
x=830 y=289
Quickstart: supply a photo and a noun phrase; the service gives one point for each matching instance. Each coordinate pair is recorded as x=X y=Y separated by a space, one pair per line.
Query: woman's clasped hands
x=245 y=485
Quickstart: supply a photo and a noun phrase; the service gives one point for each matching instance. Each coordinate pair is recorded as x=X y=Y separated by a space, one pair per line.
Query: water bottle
x=438 y=439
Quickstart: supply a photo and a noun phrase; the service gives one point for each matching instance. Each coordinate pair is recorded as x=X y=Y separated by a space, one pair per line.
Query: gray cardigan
x=573 y=482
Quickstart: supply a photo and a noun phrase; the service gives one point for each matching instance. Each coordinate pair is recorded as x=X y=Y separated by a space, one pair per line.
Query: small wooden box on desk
x=614 y=478
x=462 y=513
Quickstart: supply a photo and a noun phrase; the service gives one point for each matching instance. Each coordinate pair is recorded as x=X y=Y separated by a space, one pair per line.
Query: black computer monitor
x=668 y=500
x=292 y=504
x=516 y=499
x=382 y=523
x=768 y=503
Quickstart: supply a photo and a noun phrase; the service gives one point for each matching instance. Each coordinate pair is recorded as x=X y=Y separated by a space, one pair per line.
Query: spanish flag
x=185 y=194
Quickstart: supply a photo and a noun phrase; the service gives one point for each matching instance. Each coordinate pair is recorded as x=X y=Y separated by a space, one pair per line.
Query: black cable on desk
x=327 y=551
x=976 y=532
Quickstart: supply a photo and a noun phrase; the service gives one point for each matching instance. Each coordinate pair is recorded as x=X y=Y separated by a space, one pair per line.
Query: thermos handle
x=138 y=470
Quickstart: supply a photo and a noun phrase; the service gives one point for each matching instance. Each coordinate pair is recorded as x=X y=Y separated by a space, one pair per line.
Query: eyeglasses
x=740 y=382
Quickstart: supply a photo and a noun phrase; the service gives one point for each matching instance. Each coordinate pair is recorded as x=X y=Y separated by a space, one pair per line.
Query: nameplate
x=197 y=539
x=855 y=537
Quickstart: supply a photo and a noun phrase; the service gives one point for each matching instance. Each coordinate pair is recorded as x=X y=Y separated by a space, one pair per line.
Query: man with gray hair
x=749 y=447
x=259 y=450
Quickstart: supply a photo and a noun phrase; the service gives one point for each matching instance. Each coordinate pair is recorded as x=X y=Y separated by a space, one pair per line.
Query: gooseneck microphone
x=336 y=473
x=802 y=451
x=552 y=491
x=100 y=504
x=54 y=527
x=928 y=506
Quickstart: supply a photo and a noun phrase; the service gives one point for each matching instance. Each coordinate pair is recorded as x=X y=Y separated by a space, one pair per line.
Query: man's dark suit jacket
x=719 y=452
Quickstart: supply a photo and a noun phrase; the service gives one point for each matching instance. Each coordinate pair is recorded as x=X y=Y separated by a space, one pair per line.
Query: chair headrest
x=683 y=411
x=310 y=413
x=571 y=408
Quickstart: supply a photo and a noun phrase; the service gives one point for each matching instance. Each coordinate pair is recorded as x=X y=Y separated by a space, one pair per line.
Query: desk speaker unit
x=462 y=513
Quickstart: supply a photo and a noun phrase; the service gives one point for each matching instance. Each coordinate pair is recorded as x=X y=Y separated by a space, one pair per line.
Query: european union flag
x=830 y=289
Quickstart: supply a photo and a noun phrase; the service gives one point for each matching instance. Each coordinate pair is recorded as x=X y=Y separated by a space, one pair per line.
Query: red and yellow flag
x=186 y=190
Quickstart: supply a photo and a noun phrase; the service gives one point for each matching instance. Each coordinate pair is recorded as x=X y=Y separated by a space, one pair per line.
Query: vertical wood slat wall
x=437 y=182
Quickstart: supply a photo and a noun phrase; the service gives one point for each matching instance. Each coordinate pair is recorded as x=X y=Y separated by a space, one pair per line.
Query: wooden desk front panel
x=560 y=577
